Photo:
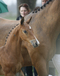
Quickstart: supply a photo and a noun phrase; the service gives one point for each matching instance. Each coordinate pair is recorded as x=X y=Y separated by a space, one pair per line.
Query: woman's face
x=43 y=3
x=23 y=11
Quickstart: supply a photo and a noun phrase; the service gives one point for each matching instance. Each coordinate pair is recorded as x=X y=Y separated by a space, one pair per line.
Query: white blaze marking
x=37 y=41
x=29 y=27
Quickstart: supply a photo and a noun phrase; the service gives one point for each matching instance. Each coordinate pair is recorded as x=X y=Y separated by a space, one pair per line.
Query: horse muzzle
x=35 y=42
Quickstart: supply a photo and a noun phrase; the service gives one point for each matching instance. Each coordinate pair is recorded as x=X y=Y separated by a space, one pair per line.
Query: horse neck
x=13 y=44
x=54 y=19
x=48 y=19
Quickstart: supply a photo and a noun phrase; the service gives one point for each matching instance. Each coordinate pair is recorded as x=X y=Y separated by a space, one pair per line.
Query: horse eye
x=25 y=31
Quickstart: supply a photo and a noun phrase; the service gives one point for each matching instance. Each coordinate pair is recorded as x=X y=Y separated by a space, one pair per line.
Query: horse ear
x=28 y=21
x=22 y=21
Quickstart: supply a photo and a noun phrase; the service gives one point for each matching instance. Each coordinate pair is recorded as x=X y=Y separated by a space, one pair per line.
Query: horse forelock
x=38 y=9
x=10 y=32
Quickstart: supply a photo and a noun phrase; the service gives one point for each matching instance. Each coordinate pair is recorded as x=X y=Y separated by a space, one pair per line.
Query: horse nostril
x=36 y=44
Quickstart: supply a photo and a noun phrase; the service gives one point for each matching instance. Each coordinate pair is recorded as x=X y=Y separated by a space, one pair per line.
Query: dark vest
x=19 y=17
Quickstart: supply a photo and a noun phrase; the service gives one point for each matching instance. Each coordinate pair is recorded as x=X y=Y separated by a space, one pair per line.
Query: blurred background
x=12 y=6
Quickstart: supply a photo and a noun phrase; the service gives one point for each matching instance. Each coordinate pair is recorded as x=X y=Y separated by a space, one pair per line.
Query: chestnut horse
x=11 y=58
x=46 y=26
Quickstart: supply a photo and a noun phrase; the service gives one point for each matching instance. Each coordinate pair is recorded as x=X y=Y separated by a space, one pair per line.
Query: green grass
x=56 y=73
x=11 y=17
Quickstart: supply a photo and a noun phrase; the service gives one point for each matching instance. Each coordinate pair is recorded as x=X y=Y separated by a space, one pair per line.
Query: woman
x=24 y=10
x=44 y=1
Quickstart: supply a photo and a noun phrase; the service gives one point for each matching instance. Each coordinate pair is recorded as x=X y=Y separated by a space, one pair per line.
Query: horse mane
x=10 y=32
x=39 y=8
x=34 y=11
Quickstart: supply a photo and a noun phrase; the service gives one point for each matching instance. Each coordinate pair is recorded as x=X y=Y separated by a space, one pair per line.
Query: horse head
x=26 y=33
